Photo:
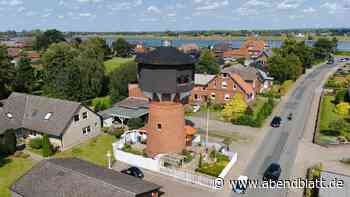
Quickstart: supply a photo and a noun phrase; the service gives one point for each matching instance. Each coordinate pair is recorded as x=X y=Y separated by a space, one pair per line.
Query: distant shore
x=215 y=37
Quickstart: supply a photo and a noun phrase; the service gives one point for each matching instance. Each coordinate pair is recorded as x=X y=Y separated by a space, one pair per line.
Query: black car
x=273 y=172
x=133 y=171
x=330 y=61
x=276 y=122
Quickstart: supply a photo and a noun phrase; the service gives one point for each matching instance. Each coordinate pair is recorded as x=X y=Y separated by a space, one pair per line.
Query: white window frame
x=227 y=97
x=224 y=85
x=48 y=116
x=86 y=115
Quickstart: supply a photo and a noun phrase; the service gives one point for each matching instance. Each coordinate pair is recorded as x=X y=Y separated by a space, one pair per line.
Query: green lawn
x=115 y=62
x=327 y=112
x=94 y=150
x=327 y=115
x=11 y=168
x=257 y=105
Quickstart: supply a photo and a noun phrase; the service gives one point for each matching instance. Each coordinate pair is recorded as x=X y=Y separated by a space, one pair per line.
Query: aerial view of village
x=174 y=98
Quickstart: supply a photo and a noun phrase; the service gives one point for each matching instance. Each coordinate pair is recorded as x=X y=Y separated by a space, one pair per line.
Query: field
x=327 y=115
x=114 y=63
x=11 y=168
x=94 y=150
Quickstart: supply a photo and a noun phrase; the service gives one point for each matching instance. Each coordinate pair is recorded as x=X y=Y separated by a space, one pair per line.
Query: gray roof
x=264 y=75
x=203 y=79
x=73 y=177
x=335 y=192
x=28 y=111
x=165 y=56
x=131 y=107
x=247 y=73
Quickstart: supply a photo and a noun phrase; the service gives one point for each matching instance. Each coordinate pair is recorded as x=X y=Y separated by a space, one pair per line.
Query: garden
x=334 y=122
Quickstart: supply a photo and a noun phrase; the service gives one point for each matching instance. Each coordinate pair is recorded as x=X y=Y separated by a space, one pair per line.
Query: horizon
x=173 y=15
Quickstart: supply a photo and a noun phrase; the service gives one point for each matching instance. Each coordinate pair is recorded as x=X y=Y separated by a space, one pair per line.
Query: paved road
x=281 y=144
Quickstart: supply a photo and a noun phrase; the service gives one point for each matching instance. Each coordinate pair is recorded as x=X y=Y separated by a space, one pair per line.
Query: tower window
x=159 y=127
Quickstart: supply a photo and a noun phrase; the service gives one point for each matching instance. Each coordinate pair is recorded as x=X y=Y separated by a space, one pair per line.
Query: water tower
x=166 y=76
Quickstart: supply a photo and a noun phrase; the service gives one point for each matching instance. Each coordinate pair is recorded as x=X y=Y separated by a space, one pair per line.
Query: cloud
x=86 y=14
x=46 y=15
x=60 y=17
x=258 y=3
x=309 y=10
x=332 y=7
x=245 y=11
x=289 y=4
x=11 y=2
x=154 y=9
x=212 y=5
x=89 y=1
x=21 y=9
x=171 y=14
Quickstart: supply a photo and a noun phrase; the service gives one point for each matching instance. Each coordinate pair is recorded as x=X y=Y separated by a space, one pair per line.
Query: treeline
x=72 y=70
x=291 y=60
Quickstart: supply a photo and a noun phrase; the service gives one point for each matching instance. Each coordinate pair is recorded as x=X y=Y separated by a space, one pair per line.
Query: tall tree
x=24 y=79
x=119 y=80
x=121 y=48
x=323 y=48
x=7 y=73
x=44 y=40
x=100 y=44
x=285 y=68
x=207 y=63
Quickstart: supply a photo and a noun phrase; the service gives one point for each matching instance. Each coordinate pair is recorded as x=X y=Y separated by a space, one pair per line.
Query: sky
x=173 y=15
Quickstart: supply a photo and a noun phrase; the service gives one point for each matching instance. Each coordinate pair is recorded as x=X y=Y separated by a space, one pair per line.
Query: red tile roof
x=247 y=88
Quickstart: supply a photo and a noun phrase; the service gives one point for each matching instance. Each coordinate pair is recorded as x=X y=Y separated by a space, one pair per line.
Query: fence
x=189 y=177
x=228 y=166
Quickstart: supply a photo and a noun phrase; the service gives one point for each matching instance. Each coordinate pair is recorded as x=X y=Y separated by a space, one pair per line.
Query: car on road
x=343 y=60
x=240 y=187
x=133 y=171
x=276 y=122
x=273 y=172
x=290 y=116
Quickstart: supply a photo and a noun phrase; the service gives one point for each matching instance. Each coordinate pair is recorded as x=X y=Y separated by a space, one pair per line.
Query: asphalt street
x=280 y=145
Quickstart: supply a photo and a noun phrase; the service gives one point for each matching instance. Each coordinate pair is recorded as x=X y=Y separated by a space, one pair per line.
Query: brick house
x=253 y=50
x=220 y=88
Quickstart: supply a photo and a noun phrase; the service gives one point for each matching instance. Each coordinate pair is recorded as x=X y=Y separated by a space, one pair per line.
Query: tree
x=44 y=40
x=121 y=48
x=8 y=143
x=285 y=68
x=341 y=96
x=235 y=108
x=119 y=80
x=47 y=146
x=7 y=73
x=24 y=78
x=207 y=63
x=323 y=48
x=98 y=44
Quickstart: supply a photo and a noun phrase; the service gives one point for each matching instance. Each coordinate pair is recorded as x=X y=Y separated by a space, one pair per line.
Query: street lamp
x=109 y=156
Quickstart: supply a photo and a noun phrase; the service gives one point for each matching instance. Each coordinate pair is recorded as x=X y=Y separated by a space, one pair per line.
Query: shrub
x=342 y=109
x=8 y=142
x=47 y=146
x=245 y=120
x=340 y=96
x=188 y=156
x=285 y=87
x=135 y=123
x=313 y=174
x=102 y=103
x=117 y=132
x=36 y=143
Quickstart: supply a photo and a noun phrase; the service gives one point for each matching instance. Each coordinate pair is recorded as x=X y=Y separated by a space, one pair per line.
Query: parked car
x=133 y=171
x=273 y=172
x=343 y=60
x=276 y=122
x=241 y=186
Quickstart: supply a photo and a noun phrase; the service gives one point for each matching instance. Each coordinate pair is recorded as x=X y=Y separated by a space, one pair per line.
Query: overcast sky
x=160 y=15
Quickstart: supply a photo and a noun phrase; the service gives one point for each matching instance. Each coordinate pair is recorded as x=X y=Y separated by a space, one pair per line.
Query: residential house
x=220 y=49
x=258 y=79
x=253 y=50
x=220 y=88
x=191 y=49
x=72 y=177
x=67 y=123
x=139 y=48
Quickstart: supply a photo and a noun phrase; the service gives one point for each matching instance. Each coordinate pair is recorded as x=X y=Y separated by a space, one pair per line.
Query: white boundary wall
x=228 y=167
x=136 y=160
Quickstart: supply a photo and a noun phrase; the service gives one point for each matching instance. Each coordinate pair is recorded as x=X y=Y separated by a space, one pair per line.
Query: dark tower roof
x=165 y=56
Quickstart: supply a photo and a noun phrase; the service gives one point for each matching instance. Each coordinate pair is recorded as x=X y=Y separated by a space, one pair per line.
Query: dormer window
x=48 y=116
x=224 y=84
x=85 y=115
x=9 y=115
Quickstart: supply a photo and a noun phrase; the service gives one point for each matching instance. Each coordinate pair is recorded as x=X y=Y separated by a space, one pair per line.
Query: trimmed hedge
x=36 y=143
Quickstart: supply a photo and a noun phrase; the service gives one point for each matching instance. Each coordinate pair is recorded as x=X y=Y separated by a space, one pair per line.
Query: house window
x=76 y=118
x=86 y=130
x=224 y=75
x=183 y=79
x=48 y=116
x=224 y=85
x=33 y=133
x=195 y=97
x=227 y=97
x=234 y=86
x=85 y=115
x=213 y=96
x=9 y=115
x=159 y=127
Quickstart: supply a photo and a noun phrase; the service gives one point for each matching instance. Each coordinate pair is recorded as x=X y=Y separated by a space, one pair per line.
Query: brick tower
x=166 y=77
